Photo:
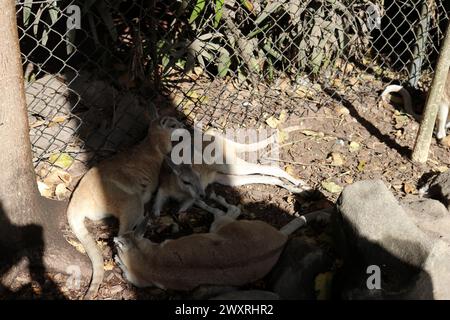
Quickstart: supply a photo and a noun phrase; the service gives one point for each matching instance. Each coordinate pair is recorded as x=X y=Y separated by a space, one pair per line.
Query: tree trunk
x=30 y=226
x=423 y=140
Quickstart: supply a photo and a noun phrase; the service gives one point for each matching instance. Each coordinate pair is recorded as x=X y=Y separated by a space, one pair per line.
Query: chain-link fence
x=92 y=67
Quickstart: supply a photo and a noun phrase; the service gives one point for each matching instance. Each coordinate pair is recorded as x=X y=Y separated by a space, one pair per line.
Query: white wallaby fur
x=233 y=253
x=119 y=187
x=235 y=172
x=443 y=111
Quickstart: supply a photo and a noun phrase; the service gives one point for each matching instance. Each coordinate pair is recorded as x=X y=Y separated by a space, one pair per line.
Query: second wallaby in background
x=443 y=112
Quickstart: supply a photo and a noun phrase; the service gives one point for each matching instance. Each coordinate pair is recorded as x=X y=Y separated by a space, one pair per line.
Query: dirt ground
x=343 y=136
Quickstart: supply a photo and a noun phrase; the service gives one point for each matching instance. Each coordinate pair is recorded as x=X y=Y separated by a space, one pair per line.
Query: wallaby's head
x=185 y=177
x=131 y=238
x=168 y=122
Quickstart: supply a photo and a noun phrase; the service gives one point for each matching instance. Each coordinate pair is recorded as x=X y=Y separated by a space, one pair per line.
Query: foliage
x=248 y=38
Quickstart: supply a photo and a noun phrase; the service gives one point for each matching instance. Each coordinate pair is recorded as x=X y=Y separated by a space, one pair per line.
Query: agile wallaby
x=233 y=253
x=233 y=172
x=443 y=111
x=119 y=187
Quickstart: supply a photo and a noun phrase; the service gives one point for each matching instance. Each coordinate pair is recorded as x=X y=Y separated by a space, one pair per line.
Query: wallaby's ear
x=139 y=230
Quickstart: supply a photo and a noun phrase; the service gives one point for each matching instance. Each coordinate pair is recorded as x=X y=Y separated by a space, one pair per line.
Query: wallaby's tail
x=301 y=221
x=252 y=147
x=76 y=222
x=407 y=101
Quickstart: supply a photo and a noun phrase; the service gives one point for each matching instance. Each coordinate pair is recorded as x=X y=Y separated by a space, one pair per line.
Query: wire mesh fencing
x=93 y=67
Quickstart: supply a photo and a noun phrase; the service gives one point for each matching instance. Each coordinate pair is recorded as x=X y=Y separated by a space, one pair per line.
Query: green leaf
x=44 y=37
x=62 y=160
x=27 y=12
x=53 y=12
x=248 y=5
x=219 y=11
x=37 y=19
x=271 y=7
x=332 y=187
x=199 y=6
x=224 y=62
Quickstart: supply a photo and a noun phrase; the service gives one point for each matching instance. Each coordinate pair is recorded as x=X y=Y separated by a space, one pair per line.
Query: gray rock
x=247 y=295
x=438 y=187
x=294 y=275
x=373 y=229
x=431 y=216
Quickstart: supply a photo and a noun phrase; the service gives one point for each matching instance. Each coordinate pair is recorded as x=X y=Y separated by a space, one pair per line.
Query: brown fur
x=119 y=187
x=233 y=253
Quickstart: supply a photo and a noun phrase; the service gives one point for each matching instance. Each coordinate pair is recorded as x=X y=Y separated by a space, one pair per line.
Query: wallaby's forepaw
x=233 y=212
x=120 y=243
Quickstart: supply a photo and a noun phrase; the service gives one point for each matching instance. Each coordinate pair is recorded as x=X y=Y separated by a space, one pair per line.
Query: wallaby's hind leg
x=442 y=120
x=242 y=167
x=133 y=213
x=232 y=210
x=160 y=199
x=234 y=181
x=252 y=147
x=216 y=212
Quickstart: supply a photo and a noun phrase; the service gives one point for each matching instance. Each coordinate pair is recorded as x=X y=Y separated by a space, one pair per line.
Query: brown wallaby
x=443 y=112
x=119 y=187
x=233 y=253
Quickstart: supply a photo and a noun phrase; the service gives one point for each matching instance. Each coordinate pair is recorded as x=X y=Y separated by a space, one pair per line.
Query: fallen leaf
x=198 y=71
x=62 y=160
x=322 y=285
x=59 y=119
x=361 y=165
x=311 y=133
x=57 y=176
x=283 y=136
x=337 y=159
x=445 y=141
x=61 y=192
x=272 y=122
x=400 y=121
x=78 y=246
x=409 y=188
x=289 y=169
x=348 y=179
x=283 y=116
x=44 y=189
x=332 y=187
x=354 y=146
x=109 y=265
x=37 y=123
x=342 y=110
x=353 y=81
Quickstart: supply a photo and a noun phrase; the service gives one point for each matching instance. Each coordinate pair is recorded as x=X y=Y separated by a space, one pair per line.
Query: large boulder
x=374 y=232
x=294 y=275
x=438 y=187
x=430 y=215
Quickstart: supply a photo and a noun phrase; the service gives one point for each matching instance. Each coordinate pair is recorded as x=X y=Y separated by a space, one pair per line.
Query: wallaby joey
x=233 y=172
x=119 y=187
x=443 y=111
x=234 y=253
